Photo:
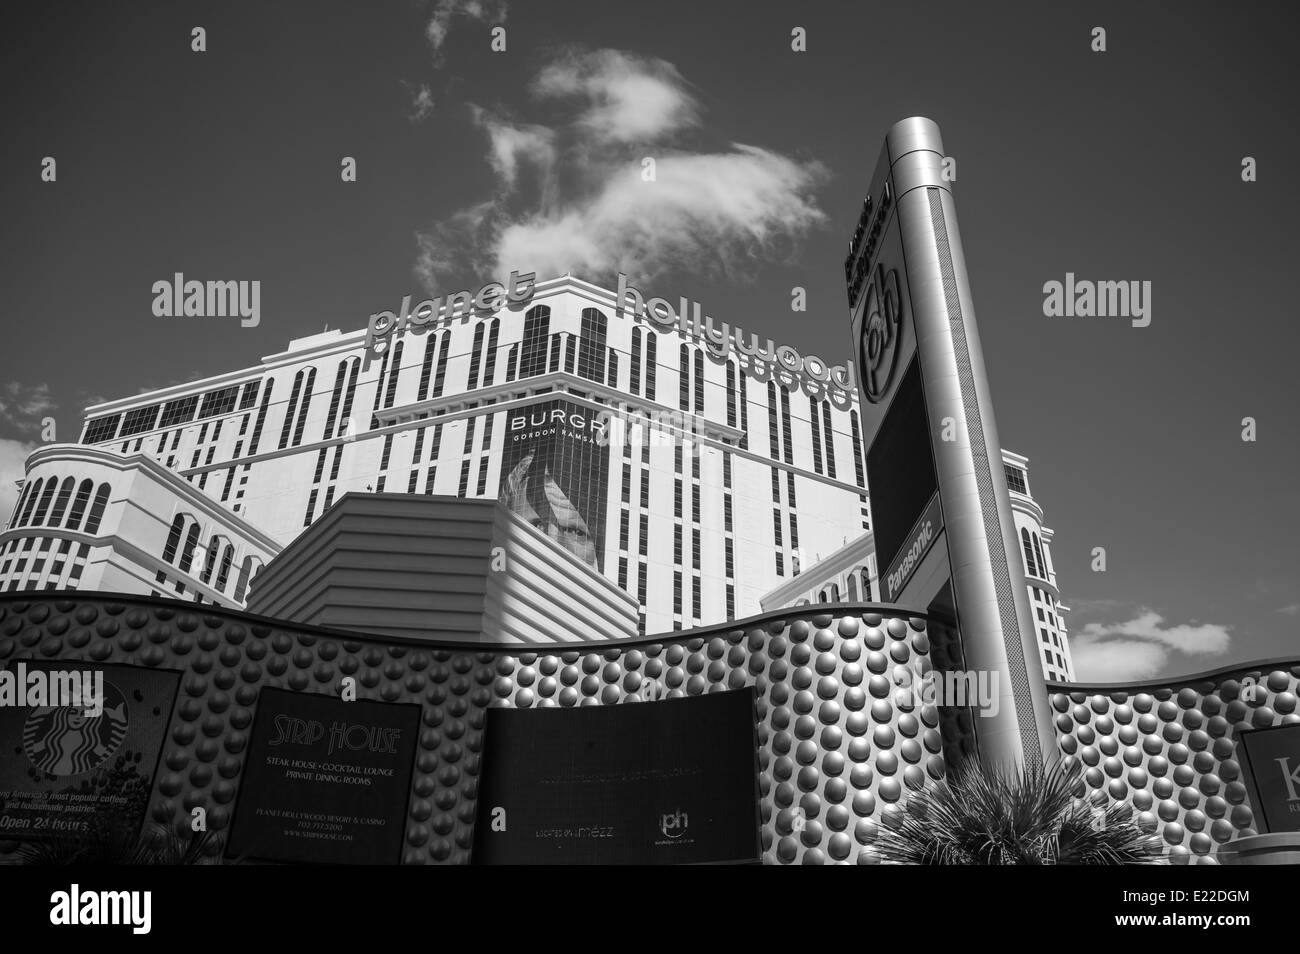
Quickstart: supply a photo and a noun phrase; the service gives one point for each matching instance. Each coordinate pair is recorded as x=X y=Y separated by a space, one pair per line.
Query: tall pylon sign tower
x=945 y=540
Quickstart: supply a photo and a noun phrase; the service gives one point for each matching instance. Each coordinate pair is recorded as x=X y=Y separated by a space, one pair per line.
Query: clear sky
x=1121 y=165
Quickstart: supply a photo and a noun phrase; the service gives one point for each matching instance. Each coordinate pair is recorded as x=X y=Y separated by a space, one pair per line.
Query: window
x=50 y=486
x=187 y=552
x=537 y=329
x=684 y=378
x=490 y=360
x=173 y=538
x=340 y=378
x=221 y=401
x=61 y=502
x=139 y=420
x=651 y=367
x=591 y=347
x=394 y=369
x=305 y=404
x=816 y=434
x=249 y=397
x=31 y=500
x=1030 y=567
x=829 y=436
x=635 y=386
x=102 y=429
x=1015 y=478
x=474 y=358
x=699 y=383
x=79 y=504
x=1038 y=552
x=287 y=427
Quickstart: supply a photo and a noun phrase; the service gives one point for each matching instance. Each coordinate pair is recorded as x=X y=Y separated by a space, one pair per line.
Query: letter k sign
x=1292 y=778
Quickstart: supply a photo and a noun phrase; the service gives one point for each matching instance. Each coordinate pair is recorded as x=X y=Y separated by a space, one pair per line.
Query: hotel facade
x=707 y=483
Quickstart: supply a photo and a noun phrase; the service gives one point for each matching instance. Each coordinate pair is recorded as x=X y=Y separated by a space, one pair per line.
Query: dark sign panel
x=555 y=474
x=900 y=471
x=669 y=782
x=1272 y=762
x=73 y=769
x=326 y=780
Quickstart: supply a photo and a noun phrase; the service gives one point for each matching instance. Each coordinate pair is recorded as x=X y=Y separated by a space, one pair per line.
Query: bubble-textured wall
x=840 y=743
x=1169 y=750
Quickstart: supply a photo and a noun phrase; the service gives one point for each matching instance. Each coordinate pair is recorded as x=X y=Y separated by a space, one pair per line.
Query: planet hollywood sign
x=763 y=360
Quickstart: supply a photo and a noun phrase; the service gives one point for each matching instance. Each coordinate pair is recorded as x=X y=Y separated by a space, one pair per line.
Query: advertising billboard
x=326 y=780
x=75 y=769
x=1272 y=763
x=670 y=782
x=555 y=474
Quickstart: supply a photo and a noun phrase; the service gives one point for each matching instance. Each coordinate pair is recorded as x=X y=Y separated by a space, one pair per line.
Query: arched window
x=1030 y=568
x=684 y=378
x=537 y=329
x=61 y=502
x=16 y=516
x=823 y=597
x=635 y=370
x=173 y=538
x=591 y=347
x=31 y=501
x=866 y=585
x=347 y=369
x=852 y=585
x=651 y=363
x=97 y=509
x=187 y=552
x=241 y=580
x=210 y=559
x=226 y=559
x=835 y=593
x=79 y=504
x=305 y=404
x=43 y=507
x=1042 y=564
x=490 y=359
x=394 y=369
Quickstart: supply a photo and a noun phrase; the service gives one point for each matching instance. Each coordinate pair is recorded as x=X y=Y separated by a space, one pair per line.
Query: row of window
x=211 y=565
x=171 y=413
x=49 y=563
x=47 y=502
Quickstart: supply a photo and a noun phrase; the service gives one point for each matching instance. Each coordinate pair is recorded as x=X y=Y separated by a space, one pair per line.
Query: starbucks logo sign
x=881 y=333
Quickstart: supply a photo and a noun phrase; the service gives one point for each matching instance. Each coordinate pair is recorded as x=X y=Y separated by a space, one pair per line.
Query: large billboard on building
x=671 y=782
x=1272 y=762
x=326 y=781
x=77 y=769
x=555 y=474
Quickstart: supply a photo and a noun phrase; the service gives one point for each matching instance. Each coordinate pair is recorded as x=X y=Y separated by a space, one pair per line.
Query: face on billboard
x=554 y=475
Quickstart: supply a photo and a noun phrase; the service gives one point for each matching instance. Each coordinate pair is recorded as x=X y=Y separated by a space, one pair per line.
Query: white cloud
x=722 y=209
x=511 y=145
x=23 y=407
x=627 y=98
x=12 y=456
x=421 y=101
x=1140 y=647
x=1291 y=610
x=1116 y=660
x=1207 y=638
x=440 y=17
x=592 y=212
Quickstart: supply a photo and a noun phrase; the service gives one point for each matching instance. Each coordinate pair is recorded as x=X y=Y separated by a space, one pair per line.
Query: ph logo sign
x=674 y=826
x=882 y=328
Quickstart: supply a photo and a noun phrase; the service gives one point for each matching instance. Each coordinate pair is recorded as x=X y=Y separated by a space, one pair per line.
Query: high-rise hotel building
x=708 y=488
x=695 y=482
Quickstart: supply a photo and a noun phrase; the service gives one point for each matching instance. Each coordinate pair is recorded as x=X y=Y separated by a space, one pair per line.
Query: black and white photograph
x=560 y=433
